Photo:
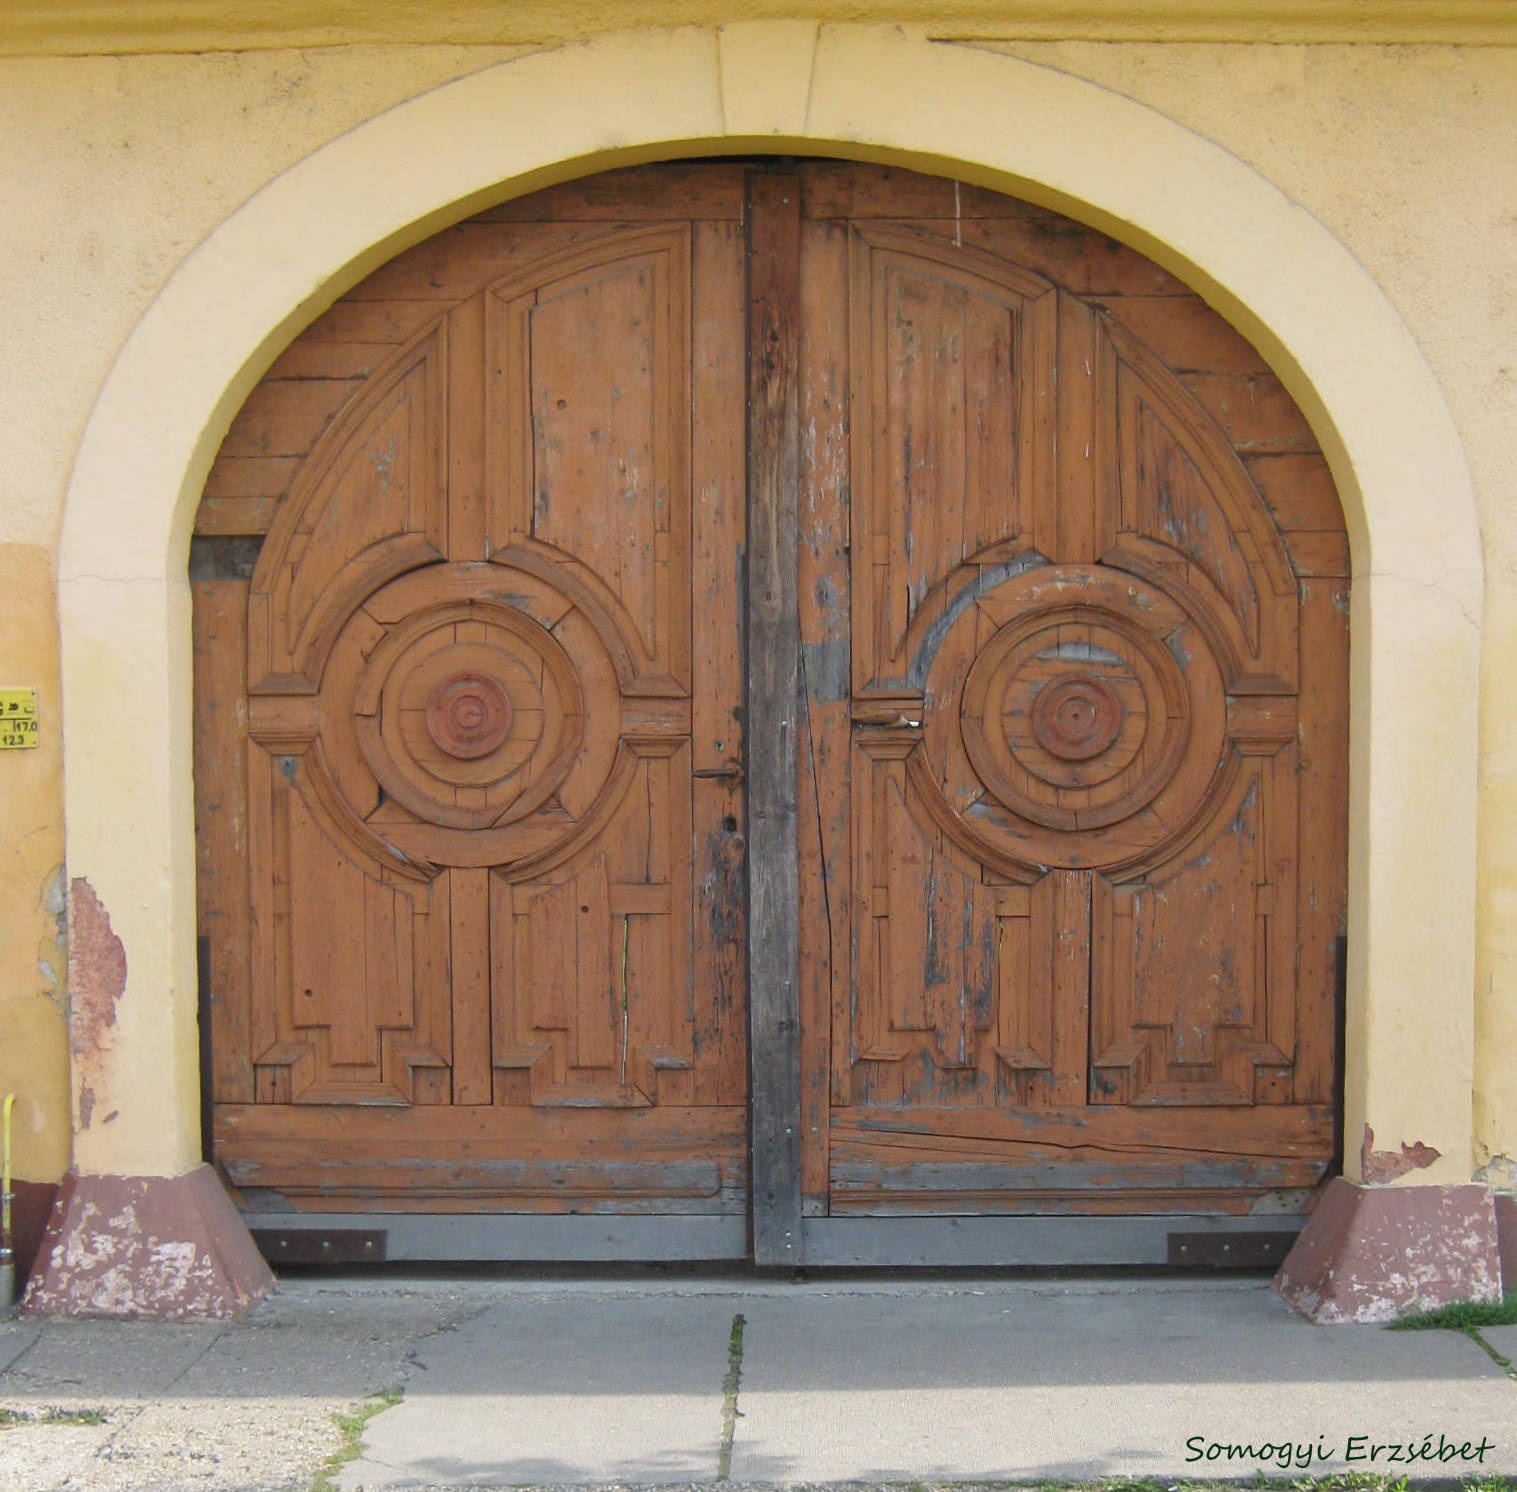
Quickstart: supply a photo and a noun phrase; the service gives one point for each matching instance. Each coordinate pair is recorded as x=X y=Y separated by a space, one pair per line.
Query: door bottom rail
x=1182 y=1240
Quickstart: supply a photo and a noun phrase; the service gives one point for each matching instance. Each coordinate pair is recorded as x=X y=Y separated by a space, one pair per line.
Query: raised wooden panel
x=592 y=968
x=341 y=955
x=1193 y=997
x=1042 y=991
x=948 y=351
x=369 y=504
x=926 y=979
x=1191 y=515
x=589 y=426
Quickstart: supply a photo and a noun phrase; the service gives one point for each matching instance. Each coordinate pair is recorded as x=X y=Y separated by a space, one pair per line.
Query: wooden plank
x=824 y=608
x=945 y=1181
x=315 y=359
x=1297 y=489
x=572 y=1177
x=1270 y=1130
x=221 y=828
x=843 y=189
x=1072 y=533
x=718 y=803
x=1185 y=332
x=697 y=190
x=532 y=1134
x=235 y=515
x=250 y=476
x=469 y=904
x=467 y=538
x=1255 y=414
x=1074 y=257
x=284 y=419
x=773 y=697
x=1323 y=807
x=1068 y=903
x=1318 y=555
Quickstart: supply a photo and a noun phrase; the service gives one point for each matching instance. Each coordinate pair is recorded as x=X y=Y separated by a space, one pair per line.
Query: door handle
x=732 y=772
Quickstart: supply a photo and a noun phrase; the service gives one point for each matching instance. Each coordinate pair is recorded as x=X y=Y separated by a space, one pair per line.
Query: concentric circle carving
x=453 y=714
x=469 y=715
x=1075 y=717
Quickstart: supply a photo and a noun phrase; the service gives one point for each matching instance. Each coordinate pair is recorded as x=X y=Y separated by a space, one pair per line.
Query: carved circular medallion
x=1076 y=717
x=468 y=715
x=453 y=715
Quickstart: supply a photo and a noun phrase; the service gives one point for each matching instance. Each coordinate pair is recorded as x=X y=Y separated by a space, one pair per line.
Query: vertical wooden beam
x=773 y=710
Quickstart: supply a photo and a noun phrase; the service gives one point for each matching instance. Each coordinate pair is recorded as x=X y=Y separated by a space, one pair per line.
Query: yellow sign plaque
x=18 y=719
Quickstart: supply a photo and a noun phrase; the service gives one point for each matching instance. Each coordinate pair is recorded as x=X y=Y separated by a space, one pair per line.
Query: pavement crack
x=105 y=1450
x=10 y=1367
x=1504 y=1363
x=731 y=1381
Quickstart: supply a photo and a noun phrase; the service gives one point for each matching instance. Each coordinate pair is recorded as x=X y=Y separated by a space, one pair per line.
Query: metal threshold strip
x=1182 y=1240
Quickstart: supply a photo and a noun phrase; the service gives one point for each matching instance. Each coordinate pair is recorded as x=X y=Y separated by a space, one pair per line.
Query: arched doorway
x=1006 y=811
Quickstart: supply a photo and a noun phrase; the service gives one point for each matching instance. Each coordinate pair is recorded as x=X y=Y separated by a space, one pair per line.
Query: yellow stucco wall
x=119 y=167
x=45 y=26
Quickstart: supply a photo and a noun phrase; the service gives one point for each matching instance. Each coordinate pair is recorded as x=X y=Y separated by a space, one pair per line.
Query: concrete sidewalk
x=661 y=1380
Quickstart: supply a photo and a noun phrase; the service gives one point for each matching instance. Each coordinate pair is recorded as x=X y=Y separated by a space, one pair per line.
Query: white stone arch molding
x=870 y=93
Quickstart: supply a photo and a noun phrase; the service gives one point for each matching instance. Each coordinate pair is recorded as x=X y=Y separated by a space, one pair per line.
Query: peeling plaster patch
x=54 y=902
x=1500 y=1171
x=96 y=969
x=1381 y=1166
x=86 y=1105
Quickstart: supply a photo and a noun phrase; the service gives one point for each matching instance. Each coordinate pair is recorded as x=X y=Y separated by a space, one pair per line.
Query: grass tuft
x=10 y=1418
x=350 y=1427
x=1462 y=1315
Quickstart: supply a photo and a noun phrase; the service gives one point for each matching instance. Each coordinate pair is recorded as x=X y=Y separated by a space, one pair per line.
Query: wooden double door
x=753 y=696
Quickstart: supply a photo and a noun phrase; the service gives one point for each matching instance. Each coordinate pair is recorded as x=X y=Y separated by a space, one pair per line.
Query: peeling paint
x=96 y=983
x=170 y=1248
x=1500 y=1172
x=53 y=953
x=1381 y=1166
x=96 y=969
